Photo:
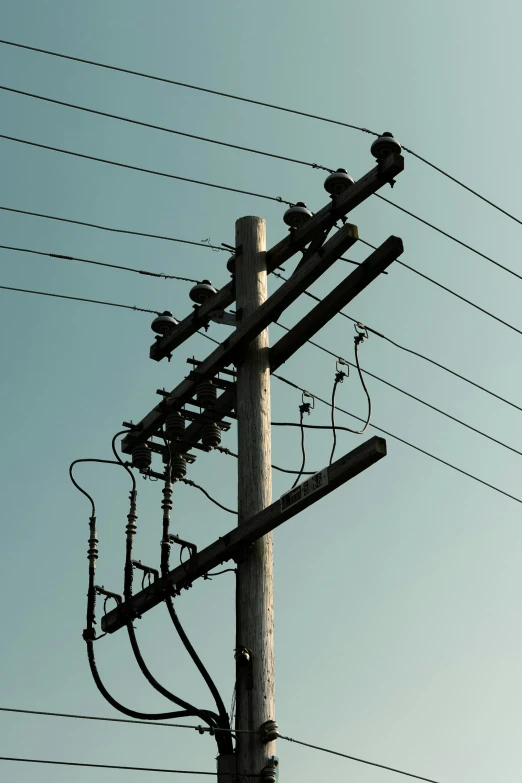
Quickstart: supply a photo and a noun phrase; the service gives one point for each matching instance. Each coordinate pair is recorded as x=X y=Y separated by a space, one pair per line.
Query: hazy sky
x=397 y=598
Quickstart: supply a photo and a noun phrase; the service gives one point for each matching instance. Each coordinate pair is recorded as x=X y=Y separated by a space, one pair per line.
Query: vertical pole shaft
x=254 y=586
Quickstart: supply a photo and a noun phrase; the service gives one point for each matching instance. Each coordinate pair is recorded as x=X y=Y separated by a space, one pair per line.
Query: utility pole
x=246 y=397
x=254 y=585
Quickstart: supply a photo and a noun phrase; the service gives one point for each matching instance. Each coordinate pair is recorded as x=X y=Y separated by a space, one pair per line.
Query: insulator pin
x=174 y=425
x=178 y=468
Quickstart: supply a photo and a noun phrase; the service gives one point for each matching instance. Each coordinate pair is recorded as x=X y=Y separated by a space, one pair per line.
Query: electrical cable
x=303 y=450
x=223 y=740
x=359 y=760
x=110 y=720
x=400 y=440
x=197 y=486
x=402 y=348
x=99 y=263
x=256 y=152
x=163 y=128
x=111 y=766
x=78 y=299
x=90 y=634
x=274 y=467
x=113 y=230
x=144 y=170
x=449 y=236
x=338 y=379
x=449 y=291
x=413 y=397
x=205 y=715
x=254 y=102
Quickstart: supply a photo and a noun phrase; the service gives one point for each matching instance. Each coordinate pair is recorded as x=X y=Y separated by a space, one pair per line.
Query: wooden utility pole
x=254 y=585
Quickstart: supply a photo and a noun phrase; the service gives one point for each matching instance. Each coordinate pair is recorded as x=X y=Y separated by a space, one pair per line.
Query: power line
x=354 y=758
x=79 y=299
x=217 y=503
x=143 y=170
x=110 y=720
x=229 y=453
x=99 y=263
x=408 y=394
x=113 y=230
x=407 y=350
x=254 y=102
x=112 y=766
x=253 y=151
x=449 y=236
x=163 y=128
x=402 y=440
x=449 y=291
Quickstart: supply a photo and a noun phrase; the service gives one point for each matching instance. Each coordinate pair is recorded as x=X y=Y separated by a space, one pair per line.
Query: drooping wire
x=397 y=438
x=224 y=741
x=143 y=170
x=402 y=348
x=99 y=263
x=339 y=378
x=191 y=483
x=264 y=104
x=205 y=715
x=90 y=633
x=224 y=450
x=112 y=230
x=302 y=410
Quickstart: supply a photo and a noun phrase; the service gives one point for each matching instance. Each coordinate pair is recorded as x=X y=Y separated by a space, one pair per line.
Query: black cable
x=113 y=230
x=274 y=467
x=414 y=397
x=78 y=299
x=164 y=129
x=99 y=263
x=402 y=348
x=360 y=761
x=96 y=717
x=197 y=486
x=110 y=766
x=449 y=291
x=255 y=103
x=143 y=170
x=400 y=440
x=338 y=379
x=205 y=715
x=449 y=236
x=303 y=450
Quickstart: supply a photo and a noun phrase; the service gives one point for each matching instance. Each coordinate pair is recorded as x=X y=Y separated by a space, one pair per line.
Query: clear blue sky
x=397 y=598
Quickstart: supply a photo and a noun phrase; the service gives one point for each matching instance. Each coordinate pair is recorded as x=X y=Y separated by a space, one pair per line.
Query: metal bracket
x=222 y=317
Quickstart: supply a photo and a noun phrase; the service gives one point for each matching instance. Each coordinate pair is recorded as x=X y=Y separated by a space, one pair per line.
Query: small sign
x=308 y=487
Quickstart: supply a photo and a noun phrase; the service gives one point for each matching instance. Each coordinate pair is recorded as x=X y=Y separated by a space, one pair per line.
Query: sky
x=396 y=597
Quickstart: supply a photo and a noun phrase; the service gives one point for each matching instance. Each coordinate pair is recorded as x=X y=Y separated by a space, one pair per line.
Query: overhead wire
x=143 y=170
x=99 y=263
x=79 y=299
x=227 y=451
x=411 y=396
x=204 y=491
x=400 y=440
x=113 y=230
x=254 y=102
x=163 y=129
x=406 y=350
x=111 y=766
x=303 y=449
x=205 y=730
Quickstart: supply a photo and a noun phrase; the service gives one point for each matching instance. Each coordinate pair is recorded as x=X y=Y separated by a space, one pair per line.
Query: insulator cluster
x=141 y=456
x=178 y=467
x=174 y=426
x=210 y=435
x=206 y=394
